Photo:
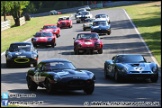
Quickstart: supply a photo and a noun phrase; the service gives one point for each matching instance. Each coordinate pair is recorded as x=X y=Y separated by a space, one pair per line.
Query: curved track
x=123 y=39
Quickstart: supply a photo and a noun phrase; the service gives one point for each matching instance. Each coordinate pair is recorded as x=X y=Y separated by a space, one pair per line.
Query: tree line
x=19 y=8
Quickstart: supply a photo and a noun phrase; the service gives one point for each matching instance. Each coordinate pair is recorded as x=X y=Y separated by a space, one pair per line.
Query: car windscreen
x=59 y=65
x=84 y=13
x=50 y=27
x=88 y=36
x=97 y=23
x=88 y=20
x=130 y=59
x=43 y=34
x=18 y=47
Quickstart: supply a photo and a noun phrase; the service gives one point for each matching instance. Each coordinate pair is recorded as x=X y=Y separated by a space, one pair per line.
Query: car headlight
x=9 y=56
x=154 y=69
x=34 y=39
x=34 y=56
x=49 y=39
x=124 y=69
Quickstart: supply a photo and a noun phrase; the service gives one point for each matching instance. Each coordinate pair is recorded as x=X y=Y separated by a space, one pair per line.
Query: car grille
x=21 y=60
x=63 y=23
x=76 y=83
x=140 y=72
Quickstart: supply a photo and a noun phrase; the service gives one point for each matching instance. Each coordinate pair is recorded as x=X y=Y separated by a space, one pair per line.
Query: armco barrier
x=5 y=25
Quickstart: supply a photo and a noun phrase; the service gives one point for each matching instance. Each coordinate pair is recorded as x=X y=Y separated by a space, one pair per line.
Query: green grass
x=147 y=18
x=24 y=32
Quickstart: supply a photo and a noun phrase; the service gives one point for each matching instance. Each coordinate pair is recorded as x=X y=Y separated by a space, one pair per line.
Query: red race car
x=88 y=43
x=44 y=38
x=64 y=21
x=52 y=28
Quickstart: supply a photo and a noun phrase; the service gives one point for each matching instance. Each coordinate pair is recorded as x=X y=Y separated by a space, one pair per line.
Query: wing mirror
x=74 y=38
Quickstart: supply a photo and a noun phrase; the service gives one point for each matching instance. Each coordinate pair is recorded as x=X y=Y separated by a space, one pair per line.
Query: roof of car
x=127 y=54
x=101 y=14
x=55 y=60
x=64 y=17
x=100 y=19
x=49 y=25
x=88 y=33
x=20 y=43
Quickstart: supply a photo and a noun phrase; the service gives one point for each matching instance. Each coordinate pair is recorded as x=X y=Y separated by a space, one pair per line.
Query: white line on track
x=142 y=39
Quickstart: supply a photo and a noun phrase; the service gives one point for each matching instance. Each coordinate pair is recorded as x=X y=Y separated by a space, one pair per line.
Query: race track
x=123 y=39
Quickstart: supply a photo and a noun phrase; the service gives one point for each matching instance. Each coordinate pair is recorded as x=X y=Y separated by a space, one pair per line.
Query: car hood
x=70 y=73
x=137 y=66
x=21 y=54
x=42 y=39
x=47 y=30
x=64 y=21
x=101 y=27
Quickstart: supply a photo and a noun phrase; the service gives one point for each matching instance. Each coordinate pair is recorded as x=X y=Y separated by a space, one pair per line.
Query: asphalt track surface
x=123 y=39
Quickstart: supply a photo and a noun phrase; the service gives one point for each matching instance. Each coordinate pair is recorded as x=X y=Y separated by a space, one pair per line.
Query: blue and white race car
x=130 y=66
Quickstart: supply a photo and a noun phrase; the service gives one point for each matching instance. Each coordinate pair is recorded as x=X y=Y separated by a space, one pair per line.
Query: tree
x=5 y=8
x=17 y=9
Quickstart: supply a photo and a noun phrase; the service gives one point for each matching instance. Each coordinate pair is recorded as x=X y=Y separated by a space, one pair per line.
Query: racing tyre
x=32 y=86
x=117 y=77
x=35 y=64
x=89 y=90
x=8 y=64
x=109 y=32
x=76 y=52
x=154 y=79
x=100 y=51
x=35 y=45
x=49 y=88
x=53 y=45
x=105 y=73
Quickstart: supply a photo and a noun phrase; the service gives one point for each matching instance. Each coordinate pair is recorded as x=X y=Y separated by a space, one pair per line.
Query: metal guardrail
x=5 y=25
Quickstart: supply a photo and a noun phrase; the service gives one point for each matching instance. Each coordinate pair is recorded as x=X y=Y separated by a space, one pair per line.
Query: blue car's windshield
x=130 y=59
x=97 y=23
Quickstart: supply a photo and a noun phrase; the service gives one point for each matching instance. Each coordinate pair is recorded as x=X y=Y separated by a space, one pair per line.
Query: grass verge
x=24 y=32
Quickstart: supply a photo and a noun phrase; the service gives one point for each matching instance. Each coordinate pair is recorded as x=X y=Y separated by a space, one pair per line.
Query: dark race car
x=101 y=26
x=44 y=38
x=52 y=28
x=21 y=53
x=59 y=74
x=130 y=66
x=65 y=22
x=87 y=43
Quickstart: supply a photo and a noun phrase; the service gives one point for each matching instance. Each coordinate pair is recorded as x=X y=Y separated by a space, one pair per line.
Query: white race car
x=82 y=16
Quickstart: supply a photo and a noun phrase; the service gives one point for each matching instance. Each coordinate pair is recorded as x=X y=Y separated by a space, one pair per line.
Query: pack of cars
x=60 y=74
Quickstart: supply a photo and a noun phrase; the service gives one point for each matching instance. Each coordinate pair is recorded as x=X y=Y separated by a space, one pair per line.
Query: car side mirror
x=74 y=38
x=34 y=35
